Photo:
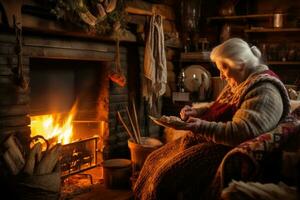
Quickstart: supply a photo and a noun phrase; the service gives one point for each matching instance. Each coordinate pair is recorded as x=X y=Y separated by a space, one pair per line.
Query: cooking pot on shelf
x=228 y=8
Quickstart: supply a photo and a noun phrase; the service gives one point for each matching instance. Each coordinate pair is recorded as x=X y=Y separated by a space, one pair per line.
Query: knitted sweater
x=261 y=101
x=185 y=167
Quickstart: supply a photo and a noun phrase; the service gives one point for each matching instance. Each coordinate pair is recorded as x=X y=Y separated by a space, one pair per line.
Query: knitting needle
x=136 y=121
x=132 y=125
x=125 y=126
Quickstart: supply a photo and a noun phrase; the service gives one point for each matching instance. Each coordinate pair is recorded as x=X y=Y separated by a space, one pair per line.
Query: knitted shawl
x=230 y=98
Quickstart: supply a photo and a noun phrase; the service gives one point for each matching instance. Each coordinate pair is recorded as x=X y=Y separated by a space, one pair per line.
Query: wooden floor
x=99 y=192
x=79 y=187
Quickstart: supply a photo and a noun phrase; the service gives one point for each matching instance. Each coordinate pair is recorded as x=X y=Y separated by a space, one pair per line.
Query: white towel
x=155 y=64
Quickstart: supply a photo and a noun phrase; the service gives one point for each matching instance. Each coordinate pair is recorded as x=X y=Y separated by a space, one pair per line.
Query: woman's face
x=232 y=74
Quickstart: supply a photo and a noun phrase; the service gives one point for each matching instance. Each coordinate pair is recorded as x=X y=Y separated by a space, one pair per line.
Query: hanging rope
x=19 y=76
x=117 y=56
x=117 y=75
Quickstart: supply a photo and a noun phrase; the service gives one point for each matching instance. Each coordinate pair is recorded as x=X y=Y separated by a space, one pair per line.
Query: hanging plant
x=99 y=16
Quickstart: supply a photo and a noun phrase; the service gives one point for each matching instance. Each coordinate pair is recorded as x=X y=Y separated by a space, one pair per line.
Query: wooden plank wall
x=13 y=99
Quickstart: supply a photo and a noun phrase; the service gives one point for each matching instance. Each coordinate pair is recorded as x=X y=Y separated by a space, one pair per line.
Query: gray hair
x=238 y=51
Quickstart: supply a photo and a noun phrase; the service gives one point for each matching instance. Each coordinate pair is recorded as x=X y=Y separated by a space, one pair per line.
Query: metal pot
x=117 y=173
x=228 y=8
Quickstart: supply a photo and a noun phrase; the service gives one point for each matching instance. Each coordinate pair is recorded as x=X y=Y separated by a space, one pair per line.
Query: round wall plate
x=197 y=79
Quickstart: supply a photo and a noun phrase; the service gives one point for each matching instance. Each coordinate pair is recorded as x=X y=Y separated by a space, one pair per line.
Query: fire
x=52 y=126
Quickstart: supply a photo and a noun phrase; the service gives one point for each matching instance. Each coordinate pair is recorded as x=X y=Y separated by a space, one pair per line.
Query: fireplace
x=67 y=74
x=63 y=72
x=73 y=89
x=70 y=97
x=66 y=106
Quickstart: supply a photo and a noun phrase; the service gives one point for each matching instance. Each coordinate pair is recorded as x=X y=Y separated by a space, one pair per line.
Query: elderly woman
x=253 y=102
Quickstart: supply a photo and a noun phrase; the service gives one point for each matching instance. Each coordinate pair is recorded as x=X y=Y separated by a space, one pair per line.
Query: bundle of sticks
x=133 y=132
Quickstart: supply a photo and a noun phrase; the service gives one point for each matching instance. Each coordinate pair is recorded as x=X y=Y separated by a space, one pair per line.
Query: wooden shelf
x=283 y=62
x=271 y=30
x=173 y=44
x=240 y=17
x=195 y=56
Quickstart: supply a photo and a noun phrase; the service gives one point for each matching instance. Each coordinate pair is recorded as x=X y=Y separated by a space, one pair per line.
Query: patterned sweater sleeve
x=259 y=112
x=201 y=107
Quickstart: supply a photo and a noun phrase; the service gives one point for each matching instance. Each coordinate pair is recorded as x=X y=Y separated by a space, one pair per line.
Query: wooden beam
x=36 y=24
x=168 y=26
x=31 y=23
x=139 y=7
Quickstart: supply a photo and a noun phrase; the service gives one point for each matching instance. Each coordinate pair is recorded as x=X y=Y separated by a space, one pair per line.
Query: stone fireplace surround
x=40 y=50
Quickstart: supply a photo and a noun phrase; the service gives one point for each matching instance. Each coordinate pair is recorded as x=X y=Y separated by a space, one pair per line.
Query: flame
x=52 y=126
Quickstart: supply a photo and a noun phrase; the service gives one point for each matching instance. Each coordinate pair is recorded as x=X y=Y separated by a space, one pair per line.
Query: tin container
x=278 y=20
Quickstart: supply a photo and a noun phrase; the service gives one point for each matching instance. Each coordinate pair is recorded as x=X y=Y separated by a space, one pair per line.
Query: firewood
x=12 y=156
x=33 y=158
x=49 y=160
x=21 y=132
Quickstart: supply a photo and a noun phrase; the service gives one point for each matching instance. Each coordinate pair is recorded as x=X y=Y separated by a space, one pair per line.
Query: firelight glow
x=51 y=126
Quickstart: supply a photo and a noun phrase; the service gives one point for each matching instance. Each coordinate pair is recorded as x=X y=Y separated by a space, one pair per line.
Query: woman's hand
x=193 y=124
x=187 y=111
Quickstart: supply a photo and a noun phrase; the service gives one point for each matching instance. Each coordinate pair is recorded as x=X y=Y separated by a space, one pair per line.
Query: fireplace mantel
x=38 y=23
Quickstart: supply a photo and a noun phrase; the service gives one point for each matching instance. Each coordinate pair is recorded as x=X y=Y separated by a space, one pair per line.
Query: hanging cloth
x=155 y=65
